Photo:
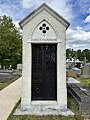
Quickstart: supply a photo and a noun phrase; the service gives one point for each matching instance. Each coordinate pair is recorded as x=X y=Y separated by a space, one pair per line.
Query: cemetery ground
x=71 y=104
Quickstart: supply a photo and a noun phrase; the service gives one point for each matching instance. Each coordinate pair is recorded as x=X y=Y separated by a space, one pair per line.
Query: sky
x=77 y=12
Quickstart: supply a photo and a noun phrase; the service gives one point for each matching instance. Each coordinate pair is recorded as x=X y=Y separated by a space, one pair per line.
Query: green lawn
x=43 y=118
x=5 y=83
x=85 y=81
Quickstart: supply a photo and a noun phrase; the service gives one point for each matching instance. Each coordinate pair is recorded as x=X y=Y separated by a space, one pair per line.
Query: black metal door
x=44 y=72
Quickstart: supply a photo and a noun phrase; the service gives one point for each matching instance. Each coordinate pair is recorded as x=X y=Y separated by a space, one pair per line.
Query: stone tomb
x=44 y=60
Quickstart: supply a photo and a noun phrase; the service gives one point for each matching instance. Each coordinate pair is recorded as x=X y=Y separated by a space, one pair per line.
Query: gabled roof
x=44 y=6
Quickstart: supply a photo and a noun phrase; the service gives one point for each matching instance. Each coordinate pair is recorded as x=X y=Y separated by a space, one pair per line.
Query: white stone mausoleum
x=44 y=59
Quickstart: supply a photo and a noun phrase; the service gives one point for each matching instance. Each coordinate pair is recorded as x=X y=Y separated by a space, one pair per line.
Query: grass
x=5 y=83
x=42 y=118
x=71 y=103
x=85 y=81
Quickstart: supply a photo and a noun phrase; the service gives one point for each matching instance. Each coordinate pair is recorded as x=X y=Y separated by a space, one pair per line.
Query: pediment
x=44 y=7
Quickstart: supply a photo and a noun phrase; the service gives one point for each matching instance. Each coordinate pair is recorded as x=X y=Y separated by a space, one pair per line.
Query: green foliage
x=86 y=53
x=88 y=83
x=27 y=117
x=80 y=55
x=85 y=81
x=3 y=85
x=70 y=53
x=10 y=43
x=74 y=107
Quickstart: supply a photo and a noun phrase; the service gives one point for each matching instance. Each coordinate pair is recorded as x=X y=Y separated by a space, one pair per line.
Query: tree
x=86 y=53
x=70 y=53
x=10 y=43
x=79 y=54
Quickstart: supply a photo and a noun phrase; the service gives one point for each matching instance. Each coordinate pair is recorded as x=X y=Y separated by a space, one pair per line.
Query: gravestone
x=44 y=59
x=86 y=70
x=6 y=75
x=0 y=66
x=19 y=66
